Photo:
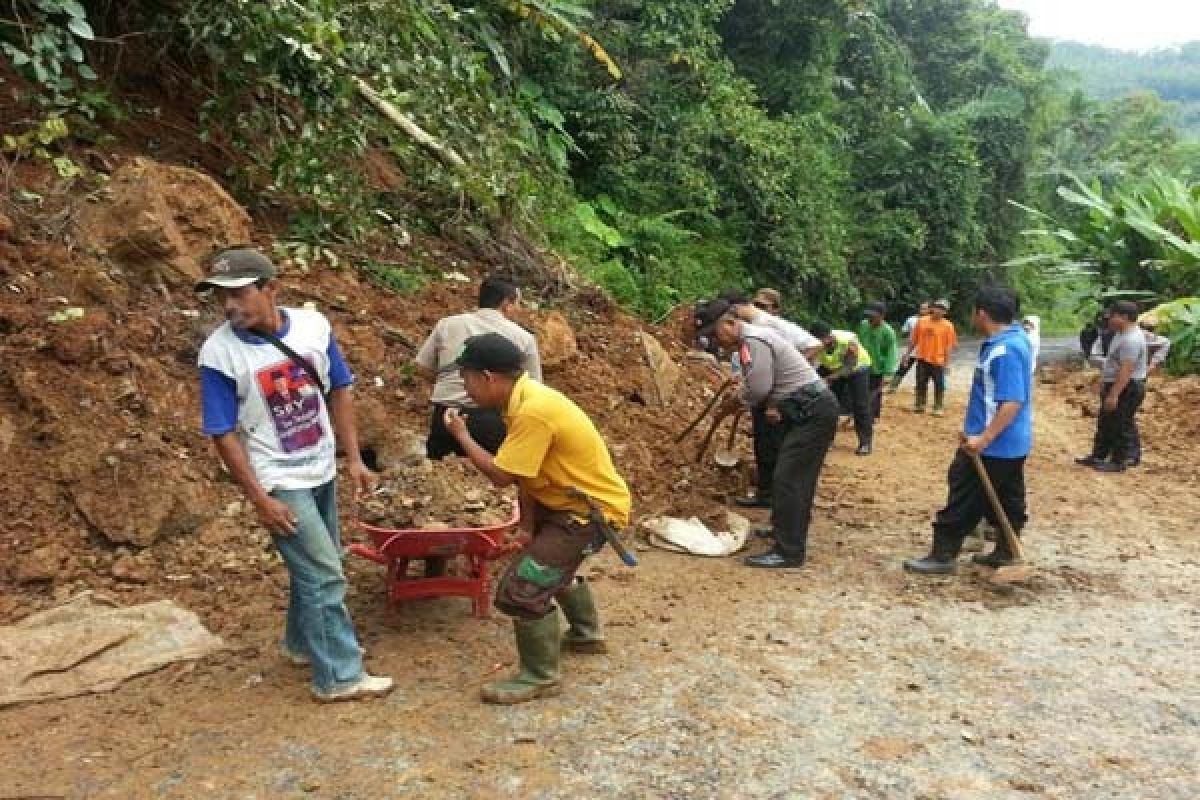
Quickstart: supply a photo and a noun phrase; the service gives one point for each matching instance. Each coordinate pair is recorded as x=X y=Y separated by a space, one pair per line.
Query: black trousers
x=927 y=372
x=967 y=503
x=485 y=425
x=768 y=437
x=854 y=395
x=876 y=386
x=811 y=423
x=1117 y=436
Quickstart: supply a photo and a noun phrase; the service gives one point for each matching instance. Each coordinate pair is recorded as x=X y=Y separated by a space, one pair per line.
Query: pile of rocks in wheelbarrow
x=436 y=495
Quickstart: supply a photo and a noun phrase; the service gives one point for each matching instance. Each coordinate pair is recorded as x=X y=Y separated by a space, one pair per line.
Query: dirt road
x=844 y=679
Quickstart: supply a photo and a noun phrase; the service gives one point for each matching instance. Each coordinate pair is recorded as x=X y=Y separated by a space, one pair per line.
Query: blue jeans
x=318 y=624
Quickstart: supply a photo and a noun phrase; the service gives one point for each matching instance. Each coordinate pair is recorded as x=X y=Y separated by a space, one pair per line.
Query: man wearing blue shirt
x=998 y=427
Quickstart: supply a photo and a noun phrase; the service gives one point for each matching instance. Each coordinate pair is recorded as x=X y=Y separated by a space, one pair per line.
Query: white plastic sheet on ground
x=86 y=646
x=694 y=537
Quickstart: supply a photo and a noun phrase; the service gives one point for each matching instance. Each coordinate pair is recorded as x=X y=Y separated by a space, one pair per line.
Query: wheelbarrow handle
x=704 y=413
x=1010 y=536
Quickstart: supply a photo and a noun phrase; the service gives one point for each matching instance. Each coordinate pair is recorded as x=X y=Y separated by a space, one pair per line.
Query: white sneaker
x=366 y=687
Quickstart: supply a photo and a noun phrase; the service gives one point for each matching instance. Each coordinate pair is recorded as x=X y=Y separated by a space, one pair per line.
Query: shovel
x=1018 y=570
x=726 y=456
x=704 y=413
x=718 y=418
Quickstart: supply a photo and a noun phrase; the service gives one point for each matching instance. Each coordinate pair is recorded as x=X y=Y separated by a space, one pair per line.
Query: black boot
x=1000 y=557
x=942 y=558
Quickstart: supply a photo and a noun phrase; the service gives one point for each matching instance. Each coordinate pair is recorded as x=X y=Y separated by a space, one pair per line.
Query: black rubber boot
x=942 y=558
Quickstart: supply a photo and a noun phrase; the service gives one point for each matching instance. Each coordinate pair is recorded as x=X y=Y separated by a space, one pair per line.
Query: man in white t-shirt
x=906 y=330
x=275 y=417
x=436 y=360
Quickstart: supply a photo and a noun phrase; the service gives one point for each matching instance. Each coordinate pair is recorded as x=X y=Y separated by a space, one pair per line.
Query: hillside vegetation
x=1172 y=74
x=842 y=150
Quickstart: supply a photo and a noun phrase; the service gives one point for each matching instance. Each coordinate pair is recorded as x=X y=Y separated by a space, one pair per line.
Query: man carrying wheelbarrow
x=777 y=377
x=558 y=459
x=998 y=428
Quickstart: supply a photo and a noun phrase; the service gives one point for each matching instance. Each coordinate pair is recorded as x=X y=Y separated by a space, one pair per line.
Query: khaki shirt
x=445 y=344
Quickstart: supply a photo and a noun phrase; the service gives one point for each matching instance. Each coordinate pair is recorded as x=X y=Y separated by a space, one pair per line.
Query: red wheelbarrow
x=394 y=549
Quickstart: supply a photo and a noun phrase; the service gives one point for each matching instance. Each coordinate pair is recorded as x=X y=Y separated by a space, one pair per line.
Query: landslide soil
x=847 y=678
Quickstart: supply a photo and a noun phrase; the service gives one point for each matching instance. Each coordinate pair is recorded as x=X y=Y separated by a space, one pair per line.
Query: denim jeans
x=318 y=624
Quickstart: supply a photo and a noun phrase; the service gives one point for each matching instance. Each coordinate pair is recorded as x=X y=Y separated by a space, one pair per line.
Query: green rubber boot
x=579 y=607
x=537 y=676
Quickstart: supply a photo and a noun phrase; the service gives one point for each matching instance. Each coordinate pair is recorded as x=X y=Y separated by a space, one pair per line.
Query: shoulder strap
x=295 y=357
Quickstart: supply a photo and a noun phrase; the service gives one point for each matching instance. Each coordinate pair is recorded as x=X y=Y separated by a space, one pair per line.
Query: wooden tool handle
x=704 y=413
x=733 y=429
x=1014 y=543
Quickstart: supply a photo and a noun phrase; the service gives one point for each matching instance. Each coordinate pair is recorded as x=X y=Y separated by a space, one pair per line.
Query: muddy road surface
x=844 y=679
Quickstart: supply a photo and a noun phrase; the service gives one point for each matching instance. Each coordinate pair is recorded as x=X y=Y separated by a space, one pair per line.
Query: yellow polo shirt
x=552 y=446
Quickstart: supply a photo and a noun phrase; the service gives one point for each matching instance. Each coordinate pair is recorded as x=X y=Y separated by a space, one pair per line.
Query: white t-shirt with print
x=282 y=419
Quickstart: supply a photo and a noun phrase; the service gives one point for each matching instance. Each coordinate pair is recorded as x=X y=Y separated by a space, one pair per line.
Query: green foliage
x=1139 y=236
x=44 y=40
x=398 y=278
x=1180 y=320
x=839 y=150
x=1172 y=74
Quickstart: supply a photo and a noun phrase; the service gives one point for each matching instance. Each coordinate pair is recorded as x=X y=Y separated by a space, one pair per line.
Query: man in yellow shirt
x=557 y=458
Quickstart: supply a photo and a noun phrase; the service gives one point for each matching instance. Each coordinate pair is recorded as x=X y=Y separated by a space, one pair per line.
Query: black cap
x=874 y=310
x=491 y=352
x=232 y=269
x=707 y=314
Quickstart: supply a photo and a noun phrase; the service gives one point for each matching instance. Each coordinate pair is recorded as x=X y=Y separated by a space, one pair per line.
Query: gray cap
x=232 y=269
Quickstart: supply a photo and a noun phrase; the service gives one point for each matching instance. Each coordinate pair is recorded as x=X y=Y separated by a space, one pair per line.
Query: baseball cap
x=237 y=267
x=874 y=310
x=942 y=304
x=707 y=314
x=491 y=352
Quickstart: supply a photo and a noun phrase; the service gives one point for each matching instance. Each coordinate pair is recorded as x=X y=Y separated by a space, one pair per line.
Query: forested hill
x=843 y=151
x=1173 y=74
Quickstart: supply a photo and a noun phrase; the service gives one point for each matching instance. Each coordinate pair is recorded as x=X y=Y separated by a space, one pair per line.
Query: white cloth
x=445 y=343
x=797 y=336
x=1035 y=337
x=287 y=433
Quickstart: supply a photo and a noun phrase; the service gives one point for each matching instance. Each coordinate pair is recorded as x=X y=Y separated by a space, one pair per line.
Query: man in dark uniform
x=778 y=378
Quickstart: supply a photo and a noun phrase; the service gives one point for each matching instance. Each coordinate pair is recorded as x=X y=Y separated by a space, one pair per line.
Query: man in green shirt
x=879 y=340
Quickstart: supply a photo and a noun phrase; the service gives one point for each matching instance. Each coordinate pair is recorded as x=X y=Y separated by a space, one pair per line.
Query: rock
x=138 y=512
x=42 y=565
x=127 y=568
x=662 y=372
x=161 y=221
x=556 y=341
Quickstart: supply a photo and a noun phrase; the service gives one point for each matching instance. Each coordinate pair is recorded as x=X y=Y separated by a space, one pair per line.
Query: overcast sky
x=1124 y=24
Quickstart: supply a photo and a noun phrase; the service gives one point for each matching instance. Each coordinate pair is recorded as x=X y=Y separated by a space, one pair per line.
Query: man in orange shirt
x=933 y=339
